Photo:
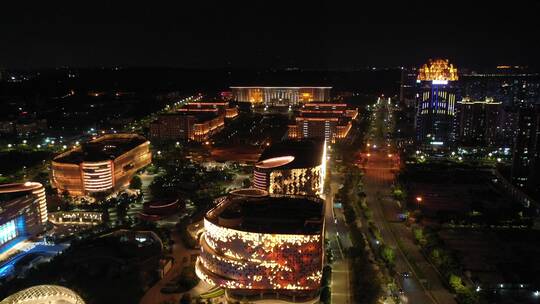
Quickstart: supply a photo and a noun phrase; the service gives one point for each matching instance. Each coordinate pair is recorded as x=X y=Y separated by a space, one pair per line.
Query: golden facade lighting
x=281 y=95
x=331 y=121
x=438 y=70
x=196 y=121
x=104 y=164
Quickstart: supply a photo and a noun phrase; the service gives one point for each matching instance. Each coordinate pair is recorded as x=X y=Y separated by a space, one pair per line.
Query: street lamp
x=419 y=199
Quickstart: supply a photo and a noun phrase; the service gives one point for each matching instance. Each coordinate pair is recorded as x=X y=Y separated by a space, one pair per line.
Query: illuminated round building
x=436 y=103
x=295 y=167
x=41 y=294
x=102 y=165
x=259 y=246
x=23 y=212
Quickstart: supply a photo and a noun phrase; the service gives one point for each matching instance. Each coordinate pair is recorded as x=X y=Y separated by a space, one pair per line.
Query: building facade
x=280 y=96
x=23 y=211
x=479 y=122
x=436 y=103
x=103 y=165
x=292 y=167
x=255 y=244
x=196 y=121
x=526 y=152
x=514 y=86
x=331 y=121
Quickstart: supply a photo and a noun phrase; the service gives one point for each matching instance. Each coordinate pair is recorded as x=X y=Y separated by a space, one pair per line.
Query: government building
x=281 y=96
x=103 y=165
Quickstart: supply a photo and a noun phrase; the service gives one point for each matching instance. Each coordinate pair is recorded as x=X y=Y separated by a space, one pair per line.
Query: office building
x=23 y=212
x=478 y=122
x=256 y=244
x=331 y=121
x=292 y=167
x=281 y=96
x=526 y=152
x=436 y=104
x=103 y=165
x=196 y=121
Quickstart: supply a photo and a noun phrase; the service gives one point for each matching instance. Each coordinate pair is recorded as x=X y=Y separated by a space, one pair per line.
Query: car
x=400 y=291
x=405 y=274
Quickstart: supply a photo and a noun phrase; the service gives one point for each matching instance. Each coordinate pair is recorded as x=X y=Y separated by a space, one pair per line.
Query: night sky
x=267 y=34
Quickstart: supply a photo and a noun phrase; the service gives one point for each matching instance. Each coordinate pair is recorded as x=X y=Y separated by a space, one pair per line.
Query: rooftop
x=257 y=211
x=9 y=192
x=19 y=187
x=106 y=147
x=305 y=153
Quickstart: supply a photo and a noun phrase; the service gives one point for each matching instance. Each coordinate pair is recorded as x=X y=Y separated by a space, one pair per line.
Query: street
x=338 y=235
x=379 y=174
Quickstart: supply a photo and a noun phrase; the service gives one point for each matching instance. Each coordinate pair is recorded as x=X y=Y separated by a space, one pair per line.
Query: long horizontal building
x=23 y=211
x=295 y=167
x=280 y=96
x=102 y=165
x=331 y=121
x=257 y=246
x=196 y=121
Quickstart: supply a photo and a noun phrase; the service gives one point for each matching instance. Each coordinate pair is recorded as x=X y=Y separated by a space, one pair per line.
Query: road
x=338 y=235
x=378 y=178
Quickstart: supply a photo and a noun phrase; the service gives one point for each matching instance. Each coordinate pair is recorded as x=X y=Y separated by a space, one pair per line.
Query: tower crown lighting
x=438 y=70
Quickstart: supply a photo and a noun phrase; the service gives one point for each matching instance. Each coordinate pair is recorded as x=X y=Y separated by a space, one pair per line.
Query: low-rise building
x=196 y=121
x=102 y=165
x=331 y=121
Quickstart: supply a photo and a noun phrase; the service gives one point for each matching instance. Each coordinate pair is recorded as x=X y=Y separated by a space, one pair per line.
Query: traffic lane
x=377 y=182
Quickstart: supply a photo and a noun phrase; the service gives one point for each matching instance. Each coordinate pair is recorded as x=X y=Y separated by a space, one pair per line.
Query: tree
x=246 y=183
x=135 y=183
x=388 y=255
x=455 y=282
